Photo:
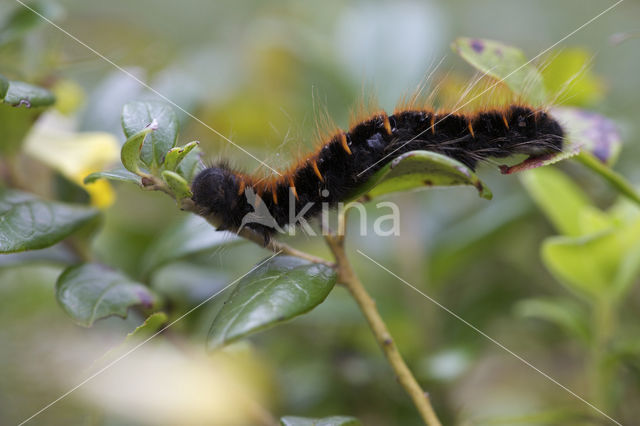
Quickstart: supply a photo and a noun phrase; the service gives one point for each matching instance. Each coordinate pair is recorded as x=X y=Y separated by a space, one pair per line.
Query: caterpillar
x=349 y=158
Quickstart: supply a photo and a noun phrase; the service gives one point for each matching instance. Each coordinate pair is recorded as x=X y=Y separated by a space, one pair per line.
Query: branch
x=246 y=233
x=367 y=305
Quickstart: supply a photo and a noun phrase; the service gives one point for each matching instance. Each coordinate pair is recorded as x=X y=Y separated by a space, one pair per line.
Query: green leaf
x=22 y=20
x=151 y=325
x=565 y=313
x=137 y=116
x=592 y=220
x=327 y=421
x=132 y=148
x=190 y=165
x=178 y=186
x=280 y=289
x=29 y=223
x=505 y=63
x=121 y=175
x=177 y=154
x=600 y=266
x=419 y=169
x=91 y=291
x=559 y=198
x=27 y=95
x=567 y=73
x=188 y=237
x=4 y=86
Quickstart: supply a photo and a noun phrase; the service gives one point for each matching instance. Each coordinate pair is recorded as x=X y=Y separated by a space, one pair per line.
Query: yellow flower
x=75 y=155
x=69 y=96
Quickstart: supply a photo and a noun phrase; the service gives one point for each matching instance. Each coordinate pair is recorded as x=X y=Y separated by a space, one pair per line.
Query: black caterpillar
x=348 y=159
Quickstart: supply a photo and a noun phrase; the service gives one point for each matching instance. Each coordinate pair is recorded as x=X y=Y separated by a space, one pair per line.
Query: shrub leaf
x=506 y=63
x=138 y=115
x=419 y=169
x=280 y=289
x=20 y=94
x=91 y=291
x=177 y=154
x=121 y=175
x=177 y=184
x=30 y=223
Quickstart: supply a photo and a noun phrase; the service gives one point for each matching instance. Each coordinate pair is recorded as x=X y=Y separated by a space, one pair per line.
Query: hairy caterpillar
x=349 y=158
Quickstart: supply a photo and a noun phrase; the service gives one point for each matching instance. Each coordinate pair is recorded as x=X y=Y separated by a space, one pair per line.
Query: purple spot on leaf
x=477 y=45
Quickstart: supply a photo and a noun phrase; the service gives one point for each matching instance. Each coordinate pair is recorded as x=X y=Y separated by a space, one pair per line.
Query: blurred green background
x=262 y=73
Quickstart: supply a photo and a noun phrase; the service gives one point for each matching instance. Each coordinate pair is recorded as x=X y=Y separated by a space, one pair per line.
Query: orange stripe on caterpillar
x=343 y=142
x=314 y=164
x=293 y=187
x=505 y=121
x=387 y=124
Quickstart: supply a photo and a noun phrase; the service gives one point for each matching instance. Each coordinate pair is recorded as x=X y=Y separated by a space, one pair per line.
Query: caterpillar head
x=539 y=133
x=215 y=191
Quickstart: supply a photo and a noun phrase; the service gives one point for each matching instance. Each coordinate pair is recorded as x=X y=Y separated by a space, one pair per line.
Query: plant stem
x=613 y=178
x=367 y=305
x=600 y=372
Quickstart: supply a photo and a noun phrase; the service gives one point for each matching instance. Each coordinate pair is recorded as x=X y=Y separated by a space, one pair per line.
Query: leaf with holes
x=28 y=222
x=278 y=290
x=505 y=63
x=416 y=170
x=91 y=291
x=585 y=132
x=177 y=154
x=138 y=115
